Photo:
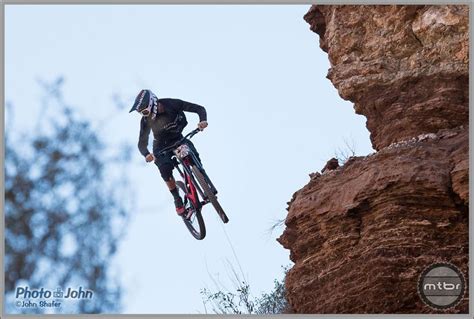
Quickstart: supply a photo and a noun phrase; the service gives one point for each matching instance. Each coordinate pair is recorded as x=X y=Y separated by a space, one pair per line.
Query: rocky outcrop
x=404 y=67
x=361 y=234
x=331 y=165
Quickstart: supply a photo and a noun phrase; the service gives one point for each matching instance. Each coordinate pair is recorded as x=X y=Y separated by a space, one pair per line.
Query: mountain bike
x=195 y=186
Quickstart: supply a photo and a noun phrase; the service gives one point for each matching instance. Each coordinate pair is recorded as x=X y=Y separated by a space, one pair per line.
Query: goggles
x=145 y=111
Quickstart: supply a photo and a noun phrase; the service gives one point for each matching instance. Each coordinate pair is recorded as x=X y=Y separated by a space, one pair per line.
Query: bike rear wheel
x=192 y=218
x=202 y=180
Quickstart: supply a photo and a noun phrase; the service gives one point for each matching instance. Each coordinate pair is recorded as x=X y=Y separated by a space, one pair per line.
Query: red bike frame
x=192 y=195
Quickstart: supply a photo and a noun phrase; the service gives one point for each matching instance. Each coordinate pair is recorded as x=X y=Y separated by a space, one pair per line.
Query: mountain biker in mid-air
x=165 y=117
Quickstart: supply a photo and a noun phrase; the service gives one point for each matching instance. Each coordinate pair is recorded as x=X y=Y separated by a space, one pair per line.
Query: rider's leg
x=165 y=166
x=178 y=202
x=171 y=183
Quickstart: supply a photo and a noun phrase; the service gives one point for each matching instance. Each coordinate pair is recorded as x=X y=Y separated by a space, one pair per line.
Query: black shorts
x=165 y=163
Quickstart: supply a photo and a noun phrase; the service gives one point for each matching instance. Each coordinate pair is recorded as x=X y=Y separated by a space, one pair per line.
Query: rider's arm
x=143 y=138
x=181 y=105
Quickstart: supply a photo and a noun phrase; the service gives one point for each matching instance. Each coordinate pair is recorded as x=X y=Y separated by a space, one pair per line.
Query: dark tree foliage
x=241 y=301
x=64 y=216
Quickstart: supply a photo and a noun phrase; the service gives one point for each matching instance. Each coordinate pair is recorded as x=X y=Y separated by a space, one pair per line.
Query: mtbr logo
x=441 y=286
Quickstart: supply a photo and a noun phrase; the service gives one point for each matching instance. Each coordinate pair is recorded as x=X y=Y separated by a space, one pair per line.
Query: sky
x=273 y=119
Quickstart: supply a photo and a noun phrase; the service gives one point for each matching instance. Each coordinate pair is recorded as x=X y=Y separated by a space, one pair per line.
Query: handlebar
x=189 y=135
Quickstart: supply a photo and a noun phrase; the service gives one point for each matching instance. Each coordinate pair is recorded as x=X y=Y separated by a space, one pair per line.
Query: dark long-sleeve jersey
x=168 y=125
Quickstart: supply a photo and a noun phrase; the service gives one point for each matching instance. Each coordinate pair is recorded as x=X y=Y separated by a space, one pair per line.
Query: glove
x=149 y=157
x=202 y=125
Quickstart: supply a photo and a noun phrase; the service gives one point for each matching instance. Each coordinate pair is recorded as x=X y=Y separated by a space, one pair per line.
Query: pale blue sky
x=273 y=119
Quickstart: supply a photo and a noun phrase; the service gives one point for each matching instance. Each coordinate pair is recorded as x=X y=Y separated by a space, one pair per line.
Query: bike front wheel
x=202 y=180
x=192 y=216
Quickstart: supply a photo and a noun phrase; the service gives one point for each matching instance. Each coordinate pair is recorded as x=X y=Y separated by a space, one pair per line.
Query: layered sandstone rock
x=361 y=234
x=404 y=67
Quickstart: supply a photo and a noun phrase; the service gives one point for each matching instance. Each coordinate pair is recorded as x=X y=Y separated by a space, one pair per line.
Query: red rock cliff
x=361 y=234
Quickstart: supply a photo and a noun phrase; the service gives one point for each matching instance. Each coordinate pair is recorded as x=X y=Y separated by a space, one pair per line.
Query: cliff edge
x=361 y=234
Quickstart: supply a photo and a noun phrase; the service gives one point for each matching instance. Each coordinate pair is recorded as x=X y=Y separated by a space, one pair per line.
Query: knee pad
x=166 y=171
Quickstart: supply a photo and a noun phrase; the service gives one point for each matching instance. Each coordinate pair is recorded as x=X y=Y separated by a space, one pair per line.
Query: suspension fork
x=203 y=171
